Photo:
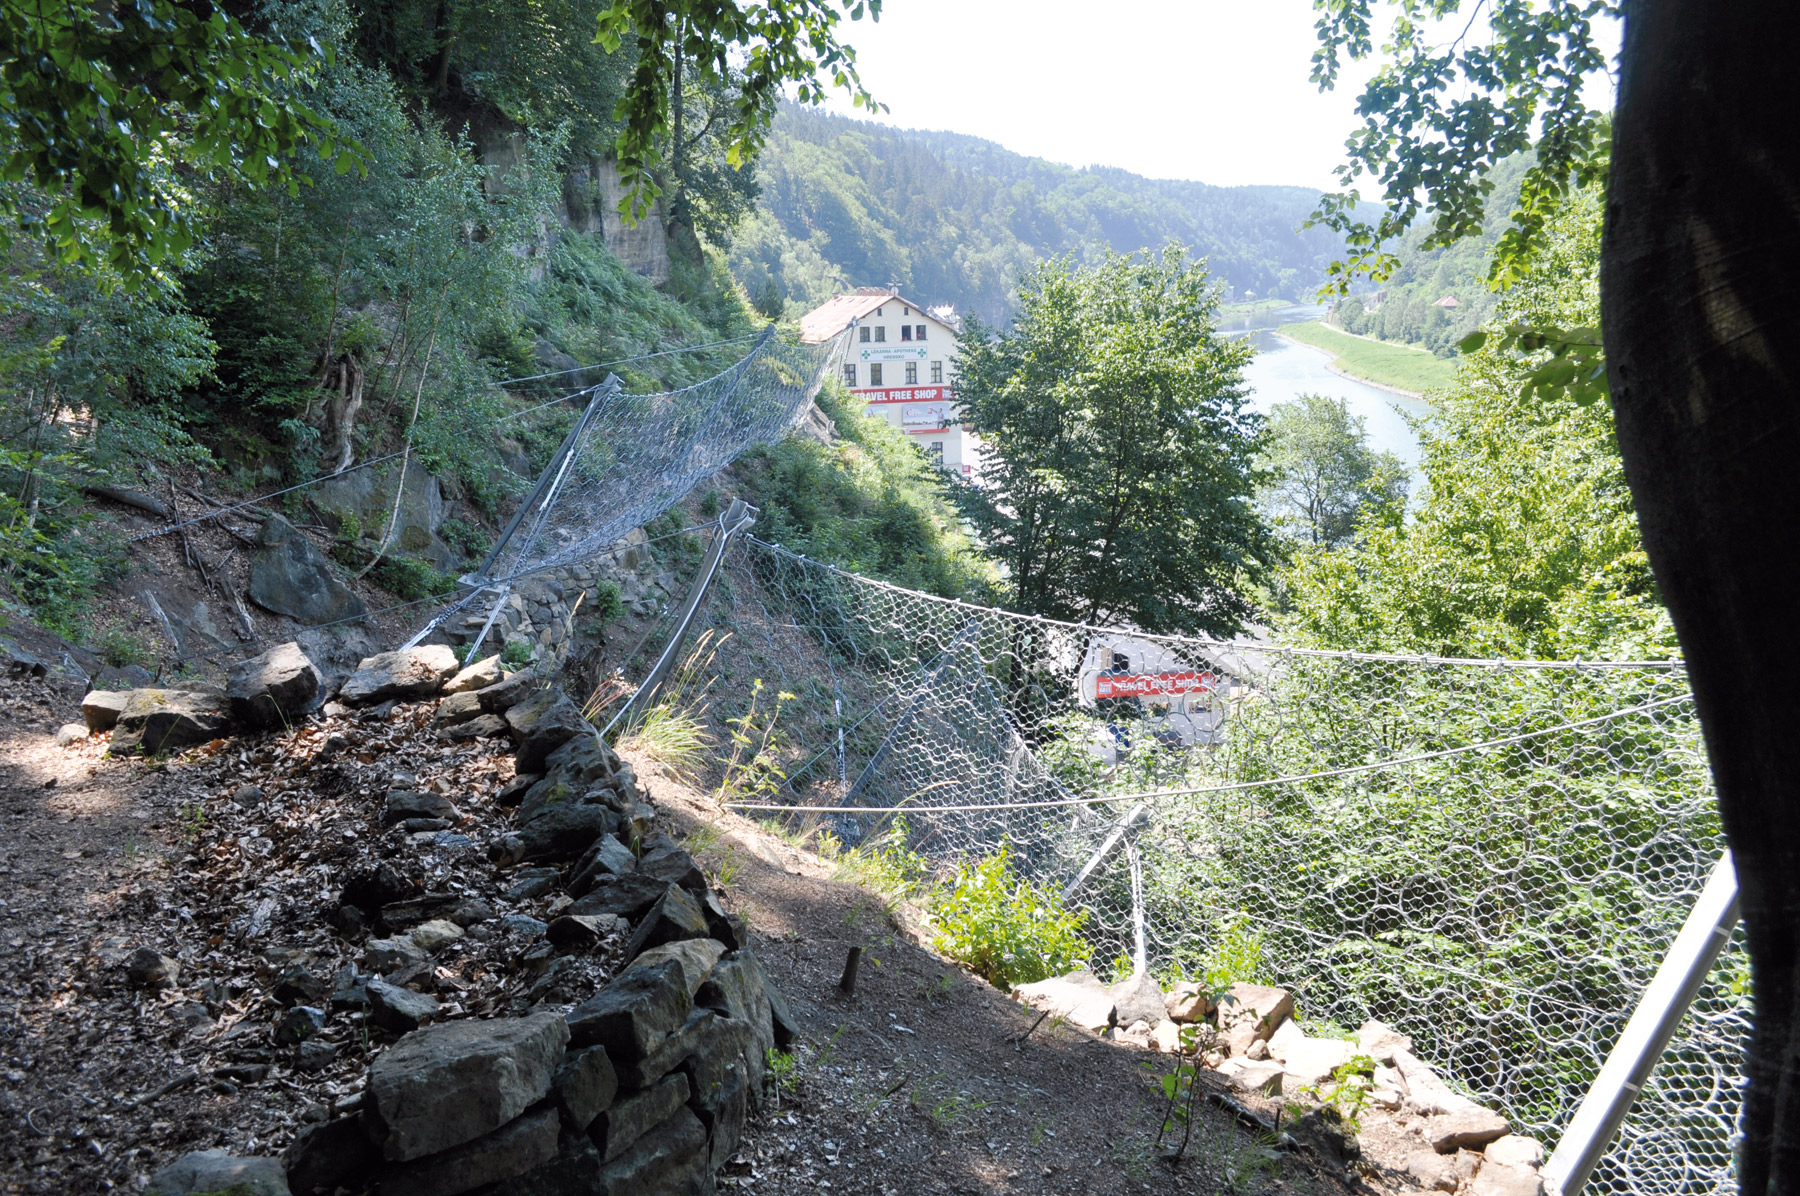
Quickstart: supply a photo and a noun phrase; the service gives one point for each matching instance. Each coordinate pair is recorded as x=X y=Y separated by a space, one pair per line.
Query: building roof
x=834 y=315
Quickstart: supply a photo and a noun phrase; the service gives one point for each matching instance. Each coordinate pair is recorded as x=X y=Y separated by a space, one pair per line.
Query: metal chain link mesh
x=1491 y=856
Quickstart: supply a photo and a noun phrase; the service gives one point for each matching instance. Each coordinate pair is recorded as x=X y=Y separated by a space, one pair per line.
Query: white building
x=902 y=361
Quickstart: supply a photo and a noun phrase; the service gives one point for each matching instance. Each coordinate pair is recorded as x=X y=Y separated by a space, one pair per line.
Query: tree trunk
x=1700 y=284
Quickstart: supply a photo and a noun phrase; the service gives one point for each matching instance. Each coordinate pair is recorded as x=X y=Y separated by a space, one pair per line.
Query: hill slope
x=955 y=219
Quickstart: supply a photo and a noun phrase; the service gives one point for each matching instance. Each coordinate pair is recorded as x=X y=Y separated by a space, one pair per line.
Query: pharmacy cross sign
x=895 y=353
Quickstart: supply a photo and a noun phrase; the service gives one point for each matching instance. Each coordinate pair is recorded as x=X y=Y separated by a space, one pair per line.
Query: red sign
x=909 y=394
x=1152 y=685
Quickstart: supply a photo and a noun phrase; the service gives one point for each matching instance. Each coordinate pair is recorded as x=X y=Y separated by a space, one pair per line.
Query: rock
x=631 y=1117
x=150 y=969
x=727 y=1049
x=1257 y=1007
x=557 y=792
x=675 y=866
x=452 y=1083
x=1187 y=1002
x=737 y=989
x=1077 y=998
x=607 y=857
x=631 y=1016
x=472 y=911
x=315 y=1056
x=101 y=708
x=630 y=896
x=1311 y=1061
x=289 y=576
x=298 y=986
x=1264 y=1076
x=1258 y=1050
x=408 y=673
x=298 y=1024
x=524 y=925
x=386 y=955
x=402 y=804
x=435 y=934
x=565 y=832
x=486 y=726
x=71 y=733
x=668 y=1054
x=728 y=929
x=670 y=1159
x=1499 y=1179
x=1514 y=1150
x=542 y=723
x=1471 y=1128
x=697 y=958
x=162 y=720
x=585 y=1085
x=1286 y=1034
x=329 y=1155
x=1385 y=1097
x=518 y=1146
x=274 y=689
x=457 y=708
x=582 y=931
x=1325 y=1132
x=676 y=916
x=1166 y=1037
x=1425 y=1092
x=1379 y=1042
x=396 y=1008
x=1432 y=1171
x=411 y=911
x=1137 y=999
x=503 y=696
x=480 y=675
x=212 y=1172
x=247 y=796
x=511 y=793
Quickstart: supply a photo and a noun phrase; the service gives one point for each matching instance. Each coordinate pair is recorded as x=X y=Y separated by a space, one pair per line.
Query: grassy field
x=1398 y=366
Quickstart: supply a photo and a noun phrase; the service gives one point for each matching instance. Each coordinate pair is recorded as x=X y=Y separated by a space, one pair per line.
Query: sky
x=1211 y=90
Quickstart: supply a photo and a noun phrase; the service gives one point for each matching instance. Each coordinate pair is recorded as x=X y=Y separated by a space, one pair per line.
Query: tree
x=101 y=101
x=1325 y=477
x=757 y=50
x=1118 y=479
x=1698 y=308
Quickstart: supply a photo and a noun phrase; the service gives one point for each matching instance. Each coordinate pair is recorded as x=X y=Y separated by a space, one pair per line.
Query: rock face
x=408 y=673
x=274 y=689
x=447 y=1085
x=163 y=720
x=1078 y=998
x=211 y=1172
x=289 y=576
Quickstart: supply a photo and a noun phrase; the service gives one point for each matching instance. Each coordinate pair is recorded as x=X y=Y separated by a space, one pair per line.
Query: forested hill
x=956 y=219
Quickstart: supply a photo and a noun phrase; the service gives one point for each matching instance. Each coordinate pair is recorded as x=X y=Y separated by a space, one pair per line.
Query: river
x=1282 y=369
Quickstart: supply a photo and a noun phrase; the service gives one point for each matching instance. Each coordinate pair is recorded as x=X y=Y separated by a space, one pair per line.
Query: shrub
x=121 y=650
x=607 y=602
x=411 y=578
x=517 y=654
x=1006 y=928
x=467 y=537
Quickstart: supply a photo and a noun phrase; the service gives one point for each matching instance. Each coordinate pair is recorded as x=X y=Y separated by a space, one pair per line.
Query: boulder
x=607 y=857
x=210 y=1172
x=408 y=673
x=1311 y=1061
x=726 y=1049
x=150 y=969
x=402 y=804
x=102 y=707
x=1471 y=1128
x=290 y=576
x=504 y=695
x=526 y=1142
x=1499 y=1179
x=1248 y=1012
x=71 y=733
x=737 y=989
x=1138 y=999
x=458 y=708
x=1379 y=1041
x=631 y=1117
x=588 y=761
x=471 y=677
x=435 y=935
x=564 y=832
x=1077 y=998
x=160 y=720
x=298 y=986
x=1251 y=1075
x=386 y=955
x=485 y=726
x=1286 y=1034
x=697 y=957
x=1514 y=1150
x=670 y=1159
x=396 y=1008
x=1165 y=1036
x=668 y=1054
x=452 y=1083
x=729 y=929
x=329 y=1155
x=1425 y=1092
x=632 y=1015
x=676 y=916
x=723 y=1111
x=629 y=896
x=585 y=1085
x=275 y=689
x=582 y=931
x=542 y=723
x=1432 y=1171
x=1187 y=1002
x=675 y=866
x=297 y=1024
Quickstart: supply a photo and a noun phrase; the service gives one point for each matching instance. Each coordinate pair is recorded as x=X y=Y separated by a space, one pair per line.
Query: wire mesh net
x=1492 y=856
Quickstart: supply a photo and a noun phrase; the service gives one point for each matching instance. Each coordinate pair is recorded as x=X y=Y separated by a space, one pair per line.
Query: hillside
x=955 y=219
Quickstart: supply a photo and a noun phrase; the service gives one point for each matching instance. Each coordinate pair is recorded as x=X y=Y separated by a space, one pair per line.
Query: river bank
x=1397 y=369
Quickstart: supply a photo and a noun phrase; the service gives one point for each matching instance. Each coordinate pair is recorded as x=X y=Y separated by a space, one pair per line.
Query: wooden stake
x=847 y=985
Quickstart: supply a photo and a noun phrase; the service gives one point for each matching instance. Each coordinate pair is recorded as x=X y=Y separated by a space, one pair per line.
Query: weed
x=884 y=865
x=608 y=602
x=1006 y=928
x=1236 y=955
x=517 y=654
x=193 y=824
x=670 y=736
x=471 y=539
x=121 y=650
x=946 y=1108
x=936 y=990
x=411 y=579
x=752 y=772
x=783 y=1073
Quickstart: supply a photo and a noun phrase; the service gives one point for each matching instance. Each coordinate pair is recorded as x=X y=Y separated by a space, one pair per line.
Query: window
x=912 y=373
x=881 y=333
x=937 y=373
x=934 y=453
x=875 y=373
x=863 y=334
x=919 y=333
x=906 y=311
x=850 y=374
x=906 y=332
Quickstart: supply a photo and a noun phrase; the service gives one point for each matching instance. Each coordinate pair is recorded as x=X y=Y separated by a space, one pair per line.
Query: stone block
x=607 y=857
x=1137 y=999
x=671 y=1160
x=209 y=1172
x=399 y=1009
x=1264 y=1076
x=458 y=708
x=275 y=689
x=697 y=958
x=1258 y=1006
x=503 y=695
x=1311 y=1061
x=1499 y=1179
x=519 y=1146
x=408 y=674
x=402 y=804
x=630 y=896
x=675 y=866
x=631 y=1117
x=102 y=707
x=542 y=723
x=290 y=576
x=668 y=1054
x=675 y=916
x=1077 y=998
x=632 y=1015
x=1187 y=1002
x=480 y=675
x=1380 y=1041
x=585 y=1086
x=1465 y=1129
x=564 y=833
x=328 y=1155
x=1514 y=1150
x=164 y=720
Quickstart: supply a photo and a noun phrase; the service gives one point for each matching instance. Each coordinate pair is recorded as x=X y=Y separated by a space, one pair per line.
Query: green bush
x=607 y=602
x=885 y=865
x=411 y=578
x=467 y=537
x=1008 y=929
x=121 y=650
x=516 y=654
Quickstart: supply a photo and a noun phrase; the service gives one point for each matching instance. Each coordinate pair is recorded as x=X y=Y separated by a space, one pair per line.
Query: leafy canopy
x=100 y=101
x=1119 y=474
x=1324 y=476
x=757 y=48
